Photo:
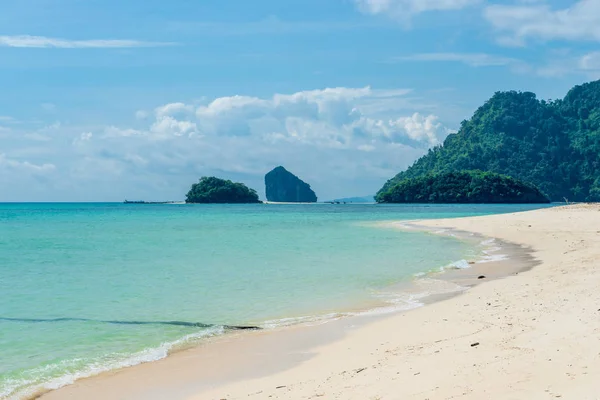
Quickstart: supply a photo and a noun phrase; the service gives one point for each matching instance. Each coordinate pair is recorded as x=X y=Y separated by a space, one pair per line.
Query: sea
x=87 y=288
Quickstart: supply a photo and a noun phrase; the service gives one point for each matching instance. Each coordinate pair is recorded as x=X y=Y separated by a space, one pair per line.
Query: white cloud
x=417 y=128
x=332 y=117
x=228 y=104
x=173 y=109
x=423 y=128
x=26 y=166
x=334 y=138
x=47 y=42
x=82 y=140
x=518 y=23
x=166 y=126
x=404 y=10
x=587 y=65
x=113 y=131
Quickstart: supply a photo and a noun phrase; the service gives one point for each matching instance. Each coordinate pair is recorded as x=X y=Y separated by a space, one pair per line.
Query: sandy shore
x=532 y=335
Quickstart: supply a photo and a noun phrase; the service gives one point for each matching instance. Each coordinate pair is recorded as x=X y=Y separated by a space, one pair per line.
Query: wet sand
x=535 y=334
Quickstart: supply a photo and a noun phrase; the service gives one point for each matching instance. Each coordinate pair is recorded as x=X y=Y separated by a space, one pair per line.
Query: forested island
x=462 y=187
x=215 y=190
x=554 y=145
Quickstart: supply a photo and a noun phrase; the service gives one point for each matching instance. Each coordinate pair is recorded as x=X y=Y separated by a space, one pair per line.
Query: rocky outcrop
x=285 y=187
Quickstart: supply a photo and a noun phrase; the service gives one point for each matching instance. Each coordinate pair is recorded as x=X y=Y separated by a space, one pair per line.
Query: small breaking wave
x=490 y=254
x=30 y=385
x=421 y=289
x=460 y=264
x=303 y=320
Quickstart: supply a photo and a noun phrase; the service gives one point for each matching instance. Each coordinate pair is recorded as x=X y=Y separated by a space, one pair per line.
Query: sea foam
x=30 y=387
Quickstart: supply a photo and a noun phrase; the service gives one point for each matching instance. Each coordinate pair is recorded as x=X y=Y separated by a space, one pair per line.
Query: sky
x=106 y=100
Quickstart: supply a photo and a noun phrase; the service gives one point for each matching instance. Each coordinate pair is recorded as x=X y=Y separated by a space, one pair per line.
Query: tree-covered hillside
x=462 y=187
x=552 y=144
x=215 y=190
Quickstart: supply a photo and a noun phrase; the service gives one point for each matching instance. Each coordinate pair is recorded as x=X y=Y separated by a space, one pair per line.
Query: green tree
x=552 y=144
x=462 y=187
x=215 y=190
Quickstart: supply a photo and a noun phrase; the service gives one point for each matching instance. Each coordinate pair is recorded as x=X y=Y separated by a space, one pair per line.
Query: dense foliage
x=462 y=187
x=215 y=190
x=552 y=144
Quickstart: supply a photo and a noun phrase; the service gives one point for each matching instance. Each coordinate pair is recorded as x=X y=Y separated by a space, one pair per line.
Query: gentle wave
x=490 y=245
x=123 y=249
x=423 y=288
x=460 y=264
x=490 y=252
x=304 y=320
x=29 y=386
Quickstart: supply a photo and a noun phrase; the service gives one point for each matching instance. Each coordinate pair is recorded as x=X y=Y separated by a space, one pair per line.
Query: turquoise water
x=90 y=287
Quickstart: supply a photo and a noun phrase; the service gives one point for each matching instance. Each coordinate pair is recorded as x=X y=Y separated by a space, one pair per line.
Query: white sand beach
x=531 y=335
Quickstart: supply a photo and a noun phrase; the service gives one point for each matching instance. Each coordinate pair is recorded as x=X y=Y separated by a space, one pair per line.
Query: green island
x=215 y=190
x=554 y=145
x=462 y=187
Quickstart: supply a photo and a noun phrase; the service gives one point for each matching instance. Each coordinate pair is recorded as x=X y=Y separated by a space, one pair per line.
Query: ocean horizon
x=91 y=287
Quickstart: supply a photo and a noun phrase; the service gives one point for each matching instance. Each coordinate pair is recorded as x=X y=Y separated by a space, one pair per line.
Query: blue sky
x=107 y=100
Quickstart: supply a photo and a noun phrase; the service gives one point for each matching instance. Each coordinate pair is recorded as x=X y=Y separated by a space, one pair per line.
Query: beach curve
x=533 y=335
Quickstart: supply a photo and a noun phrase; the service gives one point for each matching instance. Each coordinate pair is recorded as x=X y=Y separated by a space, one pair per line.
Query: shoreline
x=373 y=306
x=305 y=337
x=532 y=335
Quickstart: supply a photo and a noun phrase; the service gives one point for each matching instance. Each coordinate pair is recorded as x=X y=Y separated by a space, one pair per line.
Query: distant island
x=462 y=187
x=215 y=190
x=555 y=145
x=284 y=187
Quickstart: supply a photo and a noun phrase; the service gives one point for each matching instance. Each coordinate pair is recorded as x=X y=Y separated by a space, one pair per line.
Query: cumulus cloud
x=425 y=129
x=165 y=126
x=28 y=41
x=519 y=23
x=173 y=109
x=344 y=141
x=404 y=10
x=333 y=117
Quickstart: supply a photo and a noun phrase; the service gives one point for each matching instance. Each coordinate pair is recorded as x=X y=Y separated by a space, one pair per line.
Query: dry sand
x=532 y=335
